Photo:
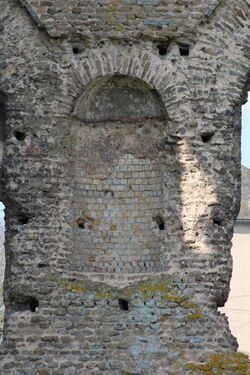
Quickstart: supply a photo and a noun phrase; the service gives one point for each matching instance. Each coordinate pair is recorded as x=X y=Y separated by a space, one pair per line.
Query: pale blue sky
x=245 y=139
x=1 y=215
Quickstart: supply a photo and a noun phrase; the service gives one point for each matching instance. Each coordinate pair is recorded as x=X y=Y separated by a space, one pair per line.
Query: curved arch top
x=95 y=68
x=119 y=98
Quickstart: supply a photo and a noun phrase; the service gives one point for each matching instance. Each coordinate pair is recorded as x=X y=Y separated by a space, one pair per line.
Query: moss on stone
x=104 y=294
x=112 y=7
x=188 y=305
x=75 y=287
x=166 y=291
x=43 y=371
x=222 y=364
x=196 y=315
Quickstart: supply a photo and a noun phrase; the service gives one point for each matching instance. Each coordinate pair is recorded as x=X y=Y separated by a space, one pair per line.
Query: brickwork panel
x=122 y=198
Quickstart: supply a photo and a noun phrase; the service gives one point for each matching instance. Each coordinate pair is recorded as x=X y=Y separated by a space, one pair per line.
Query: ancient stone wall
x=121 y=181
x=244 y=213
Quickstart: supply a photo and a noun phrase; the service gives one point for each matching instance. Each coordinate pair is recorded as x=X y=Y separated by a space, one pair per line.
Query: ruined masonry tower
x=120 y=126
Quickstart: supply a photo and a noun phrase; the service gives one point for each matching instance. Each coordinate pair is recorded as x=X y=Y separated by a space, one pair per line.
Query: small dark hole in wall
x=160 y=221
x=217 y=221
x=33 y=304
x=163 y=48
x=42 y=265
x=20 y=136
x=27 y=303
x=81 y=223
x=109 y=193
x=184 y=49
x=22 y=220
x=207 y=137
x=123 y=303
x=162 y=226
x=75 y=50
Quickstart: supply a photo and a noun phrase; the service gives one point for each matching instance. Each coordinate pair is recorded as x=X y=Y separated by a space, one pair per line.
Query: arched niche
x=119 y=98
x=124 y=179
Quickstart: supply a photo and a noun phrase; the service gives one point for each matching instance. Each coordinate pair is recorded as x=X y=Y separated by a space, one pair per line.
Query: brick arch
x=134 y=62
x=122 y=98
x=124 y=175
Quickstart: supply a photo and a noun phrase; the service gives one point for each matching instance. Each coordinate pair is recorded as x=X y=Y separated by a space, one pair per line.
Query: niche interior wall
x=121 y=182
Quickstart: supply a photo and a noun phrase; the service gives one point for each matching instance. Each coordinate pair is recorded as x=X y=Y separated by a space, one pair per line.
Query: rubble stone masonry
x=120 y=125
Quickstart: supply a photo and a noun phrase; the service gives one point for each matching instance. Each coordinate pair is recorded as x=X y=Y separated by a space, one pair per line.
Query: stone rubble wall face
x=245 y=193
x=136 y=319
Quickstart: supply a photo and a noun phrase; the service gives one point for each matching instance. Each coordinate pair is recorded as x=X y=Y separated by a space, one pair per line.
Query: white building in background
x=237 y=307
